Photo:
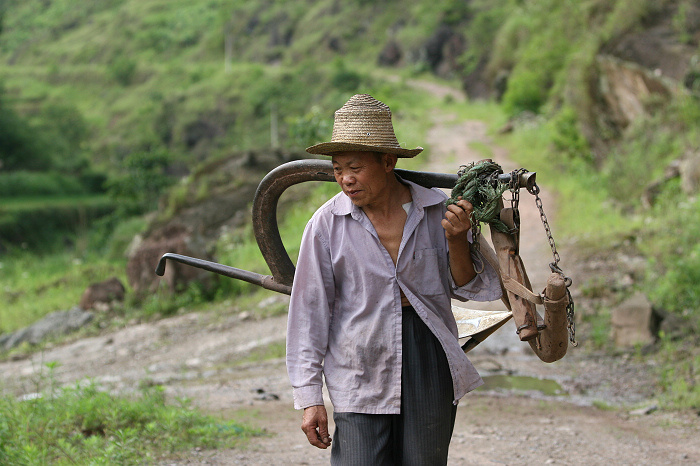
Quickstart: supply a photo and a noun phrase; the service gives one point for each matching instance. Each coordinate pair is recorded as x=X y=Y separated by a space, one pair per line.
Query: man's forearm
x=461 y=264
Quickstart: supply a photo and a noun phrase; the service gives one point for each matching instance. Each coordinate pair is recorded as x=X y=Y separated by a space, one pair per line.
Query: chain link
x=554 y=266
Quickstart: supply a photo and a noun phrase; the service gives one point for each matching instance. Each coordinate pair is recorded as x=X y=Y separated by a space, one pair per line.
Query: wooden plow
x=547 y=336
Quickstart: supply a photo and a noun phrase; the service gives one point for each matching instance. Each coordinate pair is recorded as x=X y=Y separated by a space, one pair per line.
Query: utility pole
x=274 y=135
x=228 y=47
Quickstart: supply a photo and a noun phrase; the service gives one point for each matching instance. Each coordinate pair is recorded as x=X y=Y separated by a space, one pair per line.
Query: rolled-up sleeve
x=309 y=319
x=486 y=286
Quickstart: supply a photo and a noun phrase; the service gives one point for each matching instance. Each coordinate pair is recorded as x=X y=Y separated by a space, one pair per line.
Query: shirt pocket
x=426 y=273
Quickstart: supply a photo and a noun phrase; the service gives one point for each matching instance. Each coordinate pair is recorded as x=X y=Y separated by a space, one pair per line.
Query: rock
x=644 y=411
x=689 y=169
x=475 y=84
x=626 y=87
x=443 y=50
x=103 y=293
x=53 y=325
x=652 y=191
x=197 y=220
x=634 y=322
x=390 y=55
x=263 y=395
x=673 y=326
x=177 y=239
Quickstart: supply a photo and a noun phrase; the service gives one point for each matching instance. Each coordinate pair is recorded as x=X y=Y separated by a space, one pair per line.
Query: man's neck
x=397 y=194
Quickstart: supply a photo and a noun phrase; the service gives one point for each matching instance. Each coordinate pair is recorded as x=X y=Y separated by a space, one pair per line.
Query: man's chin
x=356 y=198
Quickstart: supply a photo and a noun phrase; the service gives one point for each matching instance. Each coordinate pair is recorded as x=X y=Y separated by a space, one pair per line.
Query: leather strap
x=520 y=290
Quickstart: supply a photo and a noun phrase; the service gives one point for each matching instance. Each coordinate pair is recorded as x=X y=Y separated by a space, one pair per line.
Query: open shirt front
x=345 y=309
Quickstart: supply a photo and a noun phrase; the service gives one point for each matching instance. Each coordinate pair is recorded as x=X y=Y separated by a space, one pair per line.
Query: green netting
x=478 y=183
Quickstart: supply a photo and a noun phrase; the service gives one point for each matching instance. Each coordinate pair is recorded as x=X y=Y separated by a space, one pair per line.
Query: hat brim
x=330 y=148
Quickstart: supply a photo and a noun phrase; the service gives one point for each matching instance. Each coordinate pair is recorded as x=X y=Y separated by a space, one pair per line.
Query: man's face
x=363 y=176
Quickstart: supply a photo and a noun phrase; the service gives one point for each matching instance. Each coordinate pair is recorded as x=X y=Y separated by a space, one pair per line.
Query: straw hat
x=363 y=124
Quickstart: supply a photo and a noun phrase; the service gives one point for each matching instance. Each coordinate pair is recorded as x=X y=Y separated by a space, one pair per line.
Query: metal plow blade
x=477 y=325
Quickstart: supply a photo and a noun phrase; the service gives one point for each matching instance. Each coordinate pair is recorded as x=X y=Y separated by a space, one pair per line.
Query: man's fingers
x=447 y=225
x=323 y=432
x=458 y=217
x=465 y=206
x=314 y=439
x=462 y=212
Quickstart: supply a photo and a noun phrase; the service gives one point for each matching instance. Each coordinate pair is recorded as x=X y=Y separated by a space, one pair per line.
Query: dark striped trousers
x=421 y=434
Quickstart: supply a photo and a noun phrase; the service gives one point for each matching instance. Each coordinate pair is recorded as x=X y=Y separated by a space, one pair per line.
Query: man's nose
x=347 y=179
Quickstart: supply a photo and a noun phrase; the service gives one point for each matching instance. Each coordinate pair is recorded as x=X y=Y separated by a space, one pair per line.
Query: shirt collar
x=421 y=197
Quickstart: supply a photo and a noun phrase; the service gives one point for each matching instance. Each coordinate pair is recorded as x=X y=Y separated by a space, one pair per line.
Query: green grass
x=603 y=405
x=34 y=285
x=42 y=223
x=275 y=350
x=87 y=425
x=30 y=203
x=586 y=215
x=678 y=373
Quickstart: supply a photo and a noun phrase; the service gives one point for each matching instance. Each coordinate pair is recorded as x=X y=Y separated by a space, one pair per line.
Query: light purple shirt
x=345 y=309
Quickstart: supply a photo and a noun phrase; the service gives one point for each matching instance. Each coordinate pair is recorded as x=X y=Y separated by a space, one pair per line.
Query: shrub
x=567 y=137
x=21 y=145
x=87 y=425
x=344 y=79
x=138 y=189
x=42 y=224
x=123 y=70
x=524 y=93
x=25 y=184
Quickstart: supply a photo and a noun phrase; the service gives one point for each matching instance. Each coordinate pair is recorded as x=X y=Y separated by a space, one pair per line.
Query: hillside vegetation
x=112 y=102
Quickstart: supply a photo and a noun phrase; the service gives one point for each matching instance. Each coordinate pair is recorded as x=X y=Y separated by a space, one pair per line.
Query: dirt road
x=207 y=357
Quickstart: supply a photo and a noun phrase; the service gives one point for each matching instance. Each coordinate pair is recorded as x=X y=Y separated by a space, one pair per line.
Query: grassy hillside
x=153 y=74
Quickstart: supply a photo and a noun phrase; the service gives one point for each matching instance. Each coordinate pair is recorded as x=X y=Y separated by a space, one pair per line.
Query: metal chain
x=515 y=193
x=554 y=266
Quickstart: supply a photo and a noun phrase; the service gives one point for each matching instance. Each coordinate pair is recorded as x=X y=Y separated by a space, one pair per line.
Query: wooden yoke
x=514 y=278
x=548 y=338
x=553 y=341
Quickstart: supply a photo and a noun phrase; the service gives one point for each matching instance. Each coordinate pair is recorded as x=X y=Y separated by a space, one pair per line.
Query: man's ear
x=390 y=162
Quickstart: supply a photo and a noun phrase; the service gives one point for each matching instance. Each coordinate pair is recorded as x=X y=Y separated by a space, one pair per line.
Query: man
x=370 y=306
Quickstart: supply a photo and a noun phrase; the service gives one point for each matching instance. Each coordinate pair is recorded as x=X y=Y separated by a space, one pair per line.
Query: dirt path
x=206 y=357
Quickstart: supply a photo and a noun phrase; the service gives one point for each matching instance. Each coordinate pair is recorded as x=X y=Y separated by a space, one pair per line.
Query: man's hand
x=457 y=221
x=315 y=425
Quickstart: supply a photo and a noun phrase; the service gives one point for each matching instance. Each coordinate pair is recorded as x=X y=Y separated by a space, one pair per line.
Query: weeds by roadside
x=85 y=425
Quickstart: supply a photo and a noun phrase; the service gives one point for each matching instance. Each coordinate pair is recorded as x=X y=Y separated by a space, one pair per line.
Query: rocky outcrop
x=175 y=238
x=626 y=88
x=391 y=54
x=102 y=295
x=53 y=325
x=686 y=168
x=217 y=198
x=443 y=50
x=666 y=44
x=689 y=171
x=634 y=322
